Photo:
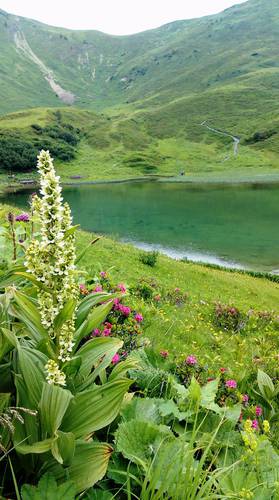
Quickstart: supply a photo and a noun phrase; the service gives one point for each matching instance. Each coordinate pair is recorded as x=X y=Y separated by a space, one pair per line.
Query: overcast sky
x=119 y=17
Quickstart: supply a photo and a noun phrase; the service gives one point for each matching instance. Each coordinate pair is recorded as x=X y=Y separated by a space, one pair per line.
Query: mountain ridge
x=155 y=89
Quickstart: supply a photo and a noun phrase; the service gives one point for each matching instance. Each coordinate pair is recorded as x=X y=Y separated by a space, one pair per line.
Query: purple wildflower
x=191 y=360
x=22 y=217
x=231 y=384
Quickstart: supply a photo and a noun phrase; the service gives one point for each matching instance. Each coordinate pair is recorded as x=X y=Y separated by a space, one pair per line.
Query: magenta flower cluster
x=125 y=310
x=22 y=217
x=231 y=384
x=191 y=360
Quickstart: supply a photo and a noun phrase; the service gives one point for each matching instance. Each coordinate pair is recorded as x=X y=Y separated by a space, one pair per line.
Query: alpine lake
x=232 y=225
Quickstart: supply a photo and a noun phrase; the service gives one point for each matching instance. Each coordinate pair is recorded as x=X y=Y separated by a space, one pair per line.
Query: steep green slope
x=178 y=59
x=161 y=91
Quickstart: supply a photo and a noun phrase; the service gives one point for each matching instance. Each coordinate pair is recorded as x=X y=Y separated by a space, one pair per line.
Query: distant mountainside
x=174 y=83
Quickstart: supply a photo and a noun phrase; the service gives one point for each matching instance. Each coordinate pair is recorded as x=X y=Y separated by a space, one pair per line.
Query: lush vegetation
x=96 y=401
x=18 y=151
x=227 y=76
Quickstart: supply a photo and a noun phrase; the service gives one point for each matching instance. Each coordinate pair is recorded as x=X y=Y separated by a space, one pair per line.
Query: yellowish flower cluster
x=54 y=374
x=51 y=259
x=249 y=436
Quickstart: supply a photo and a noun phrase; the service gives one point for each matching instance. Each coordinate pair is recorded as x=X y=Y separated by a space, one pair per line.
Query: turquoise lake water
x=236 y=225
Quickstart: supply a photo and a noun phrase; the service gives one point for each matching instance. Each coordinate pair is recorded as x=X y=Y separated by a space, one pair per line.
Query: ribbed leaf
x=32 y=368
x=65 y=314
x=266 y=385
x=10 y=278
x=89 y=465
x=97 y=353
x=39 y=447
x=32 y=279
x=63 y=447
x=6 y=342
x=120 y=370
x=94 y=320
x=90 y=301
x=53 y=405
x=94 y=409
x=25 y=310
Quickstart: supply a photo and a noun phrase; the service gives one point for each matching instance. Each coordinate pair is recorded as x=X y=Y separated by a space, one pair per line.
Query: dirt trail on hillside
x=23 y=46
x=235 y=139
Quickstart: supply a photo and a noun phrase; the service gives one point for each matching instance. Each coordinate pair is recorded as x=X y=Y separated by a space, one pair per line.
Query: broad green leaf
x=48 y=489
x=97 y=494
x=194 y=389
x=28 y=432
x=266 y=385
x=94 y=320
x=26 y=310
x=63 y=448
x=10 y=336
x=32 y=279
x=32 y=368
x=39 y=447
x=96 y=353
x=10 y=278
x=95 y=408
x=121 y=369
x=65 y=314
x=89 y=465
x=90 y=301
x=4 y=400
x=6 y=342
x=139 y=440
x=53 y=405
x=208 y=393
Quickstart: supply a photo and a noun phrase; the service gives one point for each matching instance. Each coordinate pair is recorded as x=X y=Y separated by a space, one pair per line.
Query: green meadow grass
x=189 y=329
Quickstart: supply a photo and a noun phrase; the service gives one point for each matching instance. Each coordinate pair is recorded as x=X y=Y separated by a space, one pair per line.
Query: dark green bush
x=149 y=258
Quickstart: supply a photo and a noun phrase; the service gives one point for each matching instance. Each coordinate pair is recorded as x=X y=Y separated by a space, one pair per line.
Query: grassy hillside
x=141 y=144
x=183 y=320
x=155 y=90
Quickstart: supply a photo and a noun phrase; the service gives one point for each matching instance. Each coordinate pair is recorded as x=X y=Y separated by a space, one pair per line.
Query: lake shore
x=185 y=179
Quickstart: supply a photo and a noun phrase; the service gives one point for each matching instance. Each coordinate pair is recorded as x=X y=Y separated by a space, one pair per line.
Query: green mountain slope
x=161 y=92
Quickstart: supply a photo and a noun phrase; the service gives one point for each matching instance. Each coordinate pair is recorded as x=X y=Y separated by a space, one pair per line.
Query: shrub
x=149 y=258
x=229 y=318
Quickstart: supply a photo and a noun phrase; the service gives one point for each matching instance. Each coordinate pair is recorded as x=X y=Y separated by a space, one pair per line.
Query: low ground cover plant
x=89 y=409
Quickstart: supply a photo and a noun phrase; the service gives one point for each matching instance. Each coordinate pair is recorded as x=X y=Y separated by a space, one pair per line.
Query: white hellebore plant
x=51 y=260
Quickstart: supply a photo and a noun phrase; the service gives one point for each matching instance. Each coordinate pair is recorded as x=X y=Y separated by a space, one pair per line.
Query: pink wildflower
x=124 y=309
x=98 y=288
x=115 y=359
x=258 y=411
x=231 y=384
x=245 y=399
x=223 y=370
x=103 y=274
x=157 y=298
x=255 y=424
x=116 y=304
x=191 y=360
x=139 y=317
x=121 y=287
x=22 y=218
x=95 y=332
x=106 y=332
x=177 y=289
x=164 y=354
